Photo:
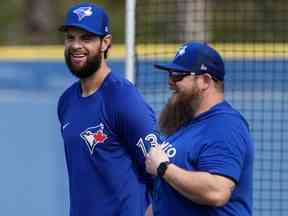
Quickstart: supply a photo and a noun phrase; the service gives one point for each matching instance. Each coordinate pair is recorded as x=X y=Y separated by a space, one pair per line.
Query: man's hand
x=153 y=159
x=149 y=211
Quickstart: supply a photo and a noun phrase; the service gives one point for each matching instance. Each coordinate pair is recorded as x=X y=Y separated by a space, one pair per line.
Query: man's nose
x=75 y=44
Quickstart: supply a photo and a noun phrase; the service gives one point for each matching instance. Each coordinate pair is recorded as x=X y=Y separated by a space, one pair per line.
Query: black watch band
x=162 y=168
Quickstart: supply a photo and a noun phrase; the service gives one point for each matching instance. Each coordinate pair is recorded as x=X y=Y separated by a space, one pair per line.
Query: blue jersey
x=218 y=142
x=106 y=136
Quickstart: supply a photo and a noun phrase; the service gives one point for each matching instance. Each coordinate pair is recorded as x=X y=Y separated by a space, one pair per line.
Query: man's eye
x=87 y=37
x=69 y=37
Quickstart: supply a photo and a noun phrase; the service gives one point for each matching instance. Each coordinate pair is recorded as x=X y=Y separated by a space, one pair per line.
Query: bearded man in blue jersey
x=107 y=127
x=211 y=172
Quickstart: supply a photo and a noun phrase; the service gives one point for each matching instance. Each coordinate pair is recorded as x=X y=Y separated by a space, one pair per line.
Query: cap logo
x=203 y=67
x=181 y=51
x=83 y=12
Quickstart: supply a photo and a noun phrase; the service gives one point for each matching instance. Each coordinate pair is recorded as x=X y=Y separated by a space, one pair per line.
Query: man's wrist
x=162 y=168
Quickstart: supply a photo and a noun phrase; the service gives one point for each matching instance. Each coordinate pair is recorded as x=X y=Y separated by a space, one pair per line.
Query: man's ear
x=106 y=43
x=207 y=81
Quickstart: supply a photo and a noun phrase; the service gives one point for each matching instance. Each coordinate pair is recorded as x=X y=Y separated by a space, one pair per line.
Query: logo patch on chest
x=93 y=136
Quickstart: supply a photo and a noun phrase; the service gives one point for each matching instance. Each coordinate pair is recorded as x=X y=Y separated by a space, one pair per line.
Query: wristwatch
x=162 y=168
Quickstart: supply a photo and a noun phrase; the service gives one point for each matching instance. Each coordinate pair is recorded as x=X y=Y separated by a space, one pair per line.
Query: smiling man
x=105 y=138
x=211 y=173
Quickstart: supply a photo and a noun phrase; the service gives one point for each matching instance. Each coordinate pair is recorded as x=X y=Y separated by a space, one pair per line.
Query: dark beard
x=92 y=65
x=178 y=112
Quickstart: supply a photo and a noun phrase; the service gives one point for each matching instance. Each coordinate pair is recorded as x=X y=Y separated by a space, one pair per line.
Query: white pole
x=130 y=39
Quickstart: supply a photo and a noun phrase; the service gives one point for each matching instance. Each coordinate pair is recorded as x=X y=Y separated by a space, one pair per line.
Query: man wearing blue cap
x=211 y=172
x=107 y=127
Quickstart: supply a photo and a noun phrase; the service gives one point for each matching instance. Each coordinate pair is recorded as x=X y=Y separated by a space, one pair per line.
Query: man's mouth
x=78 y=58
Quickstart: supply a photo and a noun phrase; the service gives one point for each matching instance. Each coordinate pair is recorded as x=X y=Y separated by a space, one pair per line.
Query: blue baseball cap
x=198 y=58
x=89 y=17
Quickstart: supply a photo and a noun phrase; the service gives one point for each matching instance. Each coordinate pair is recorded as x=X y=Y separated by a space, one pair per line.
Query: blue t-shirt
x=218 y=142
x=106 y=136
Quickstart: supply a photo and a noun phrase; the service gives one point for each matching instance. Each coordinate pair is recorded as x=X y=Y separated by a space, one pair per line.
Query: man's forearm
x=200 y=187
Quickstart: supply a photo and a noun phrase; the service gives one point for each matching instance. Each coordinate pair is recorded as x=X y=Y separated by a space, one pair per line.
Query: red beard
x=179 y=111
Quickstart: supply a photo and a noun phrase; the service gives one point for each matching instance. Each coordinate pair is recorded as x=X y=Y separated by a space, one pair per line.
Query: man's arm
x=136 y=124
x=200 y=187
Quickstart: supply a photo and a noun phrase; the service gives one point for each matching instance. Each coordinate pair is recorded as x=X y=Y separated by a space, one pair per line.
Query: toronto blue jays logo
x=83 y=12
x=93 y=136
x=181 y=51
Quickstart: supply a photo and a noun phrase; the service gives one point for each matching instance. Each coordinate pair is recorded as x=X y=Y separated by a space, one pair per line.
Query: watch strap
x=162 y=168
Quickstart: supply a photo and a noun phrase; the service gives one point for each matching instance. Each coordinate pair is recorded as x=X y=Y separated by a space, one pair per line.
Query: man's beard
x=179 y=111
x=91 y=66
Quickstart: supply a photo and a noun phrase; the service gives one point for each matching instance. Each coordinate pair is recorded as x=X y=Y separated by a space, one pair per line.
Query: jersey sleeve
x=135 y=123
x=63 y=102
x=137 y=126
x=223 y=157
x=60 y=109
